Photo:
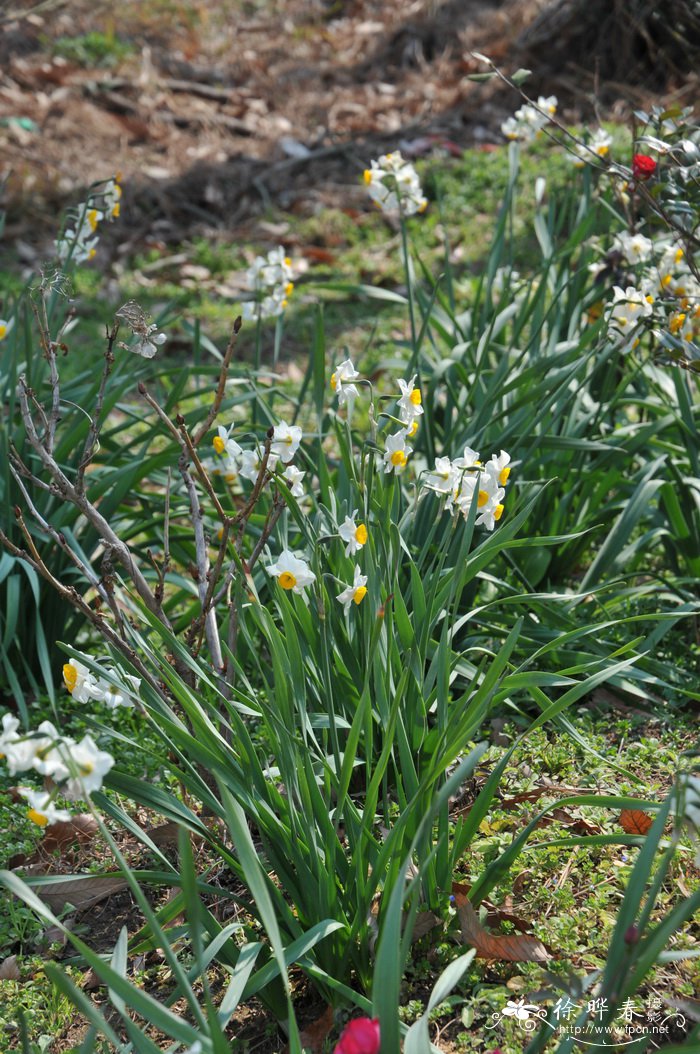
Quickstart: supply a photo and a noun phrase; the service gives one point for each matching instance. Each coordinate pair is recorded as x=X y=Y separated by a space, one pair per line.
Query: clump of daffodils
x=85 y=687
x=665 y=292
x=79 y=242
x=527 y=122
x=79 y=767
x=630 y=306
x=231 y=461
x=393 y=184
x=466 y=480
x=396 y=448
x=270 y=281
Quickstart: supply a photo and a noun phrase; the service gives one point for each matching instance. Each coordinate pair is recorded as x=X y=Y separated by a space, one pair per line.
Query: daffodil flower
x=41 y=809
x=292 y=572
x=635 y=248
x=293 y=477
x=410 y=402
x=24 y=752
x=353 y=534
x=88 y=765
x=355 y=593
x=396 y=452
x=498 y=467
x=285 y=441
x=444 y=478
x=341 y=383
x=629 y=307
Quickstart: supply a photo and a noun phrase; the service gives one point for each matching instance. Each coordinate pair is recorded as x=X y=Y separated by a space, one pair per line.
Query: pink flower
x=360 y=1037
x=643 y=166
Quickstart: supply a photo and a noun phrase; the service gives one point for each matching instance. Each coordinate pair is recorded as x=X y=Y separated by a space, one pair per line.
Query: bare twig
x=210 y=623
x=204 y=478
x=221 y=387
x=72 y=597
x=69 y=493
x=184 y=441
x=92 y=437
x=49 y=349
x=60 y=540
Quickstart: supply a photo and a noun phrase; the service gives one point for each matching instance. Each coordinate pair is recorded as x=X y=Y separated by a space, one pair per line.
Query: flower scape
x=330 y=631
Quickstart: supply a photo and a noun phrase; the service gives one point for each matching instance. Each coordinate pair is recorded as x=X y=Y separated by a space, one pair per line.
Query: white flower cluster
x=231 y=461
x=79 y=243
x=666 y=289
x=393 y=184
x=81 y=767
x=629 y=307
x=597 y=146
x=528 y=122
x=85 y=687
x=396 y=449
x=270 y=282
x=466 y=480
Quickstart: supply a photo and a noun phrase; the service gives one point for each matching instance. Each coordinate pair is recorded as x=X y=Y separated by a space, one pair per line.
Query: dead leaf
x=81 y=891
x=81 y=828
x=313 y=1037
x=425 y=922
x=517 y=947
x=9 y=970
x=316 y=254
x=635 y=821
x=577 y=823
x=91 y=981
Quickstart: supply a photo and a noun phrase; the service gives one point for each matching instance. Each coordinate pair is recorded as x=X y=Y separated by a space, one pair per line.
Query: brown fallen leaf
x=313 y=1037
x=578 y=824
x=555 y=790
x=635 y=821
x=81 y=828
x=91 y=981
x=517 y=947
x=168 y=834
x=425 y=922
x=9 y=970
x=81 y=891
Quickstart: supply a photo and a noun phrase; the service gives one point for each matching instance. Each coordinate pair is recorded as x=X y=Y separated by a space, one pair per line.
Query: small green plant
x=93 y=49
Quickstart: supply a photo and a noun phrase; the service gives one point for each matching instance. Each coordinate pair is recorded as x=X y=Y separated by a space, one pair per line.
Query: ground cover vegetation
x=350 y=644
